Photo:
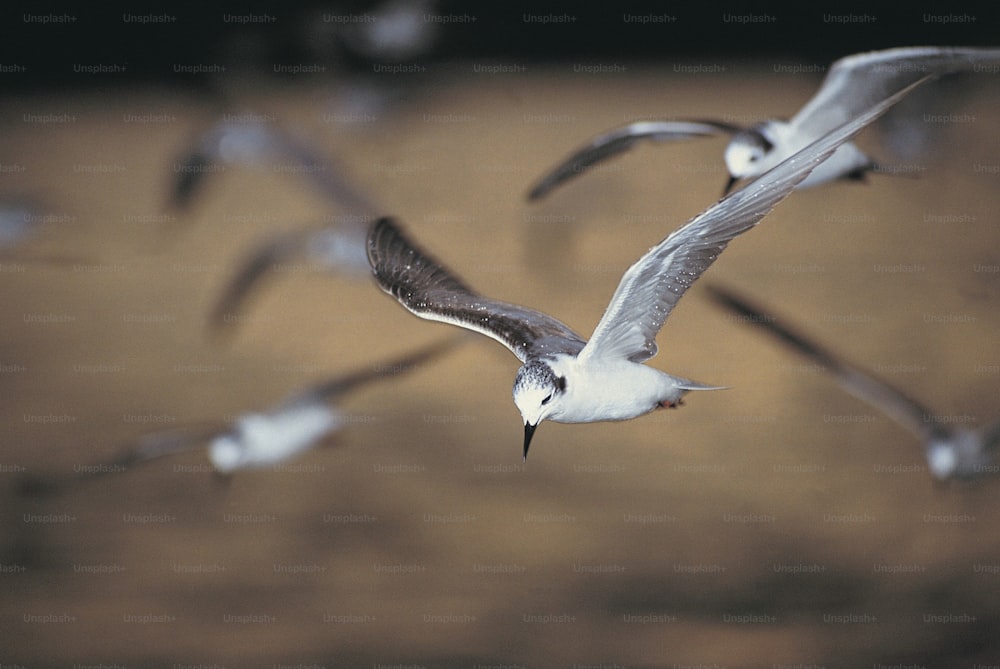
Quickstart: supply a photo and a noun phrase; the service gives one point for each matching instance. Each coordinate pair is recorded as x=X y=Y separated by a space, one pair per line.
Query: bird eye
x=547 y=399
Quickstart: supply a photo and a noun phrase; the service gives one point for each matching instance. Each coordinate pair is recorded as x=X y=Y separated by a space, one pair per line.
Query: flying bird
x=563 y=377
x=253 y=440
x=853 y=84
x=258 y=141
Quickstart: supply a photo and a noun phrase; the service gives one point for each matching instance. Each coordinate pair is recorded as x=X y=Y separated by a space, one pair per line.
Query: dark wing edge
x=859 y=80
x=662 y=276
x=620 y=140
x=225 y=314
x=333 y=388
x=880 y=394
x=427 y=289
x=148 y=447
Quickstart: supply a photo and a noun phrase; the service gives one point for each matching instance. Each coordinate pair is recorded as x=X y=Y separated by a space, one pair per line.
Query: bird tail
x=688 y=384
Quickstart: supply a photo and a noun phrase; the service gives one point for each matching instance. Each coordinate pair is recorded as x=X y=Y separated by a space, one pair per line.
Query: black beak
x=529 y=430
x=729 y=185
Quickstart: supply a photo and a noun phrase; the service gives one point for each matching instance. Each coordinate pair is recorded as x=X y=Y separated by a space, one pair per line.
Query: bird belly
x=615 y=393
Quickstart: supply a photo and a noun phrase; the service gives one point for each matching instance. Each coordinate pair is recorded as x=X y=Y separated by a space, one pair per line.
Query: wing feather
x=429 y=290
x=859 y=81
x=652 y=286
x=620 y=140
x=885 y=397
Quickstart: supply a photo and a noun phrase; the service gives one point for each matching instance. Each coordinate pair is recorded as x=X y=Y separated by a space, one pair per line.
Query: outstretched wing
x=148 y=447
x=271 y=253
x=890 y=400
x=334 y=388
x=859 y=81
x=265 y=143
x=622 y=139
x=336 y=249
x=653 y=285
x=430 y=291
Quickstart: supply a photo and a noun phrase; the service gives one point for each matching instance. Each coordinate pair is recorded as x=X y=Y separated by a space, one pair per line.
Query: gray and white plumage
x=253 y=440
x=338 y=247
x=854 y=83
x=951 y=452
x=565 y=378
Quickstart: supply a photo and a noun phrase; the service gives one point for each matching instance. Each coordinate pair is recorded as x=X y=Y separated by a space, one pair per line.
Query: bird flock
x=563 y=377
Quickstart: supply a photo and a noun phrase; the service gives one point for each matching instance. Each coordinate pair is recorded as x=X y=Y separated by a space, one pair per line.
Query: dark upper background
x=44 y=53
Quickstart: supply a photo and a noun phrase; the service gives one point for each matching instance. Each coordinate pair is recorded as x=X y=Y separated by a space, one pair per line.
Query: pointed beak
x=729 y=185
x=529 y=430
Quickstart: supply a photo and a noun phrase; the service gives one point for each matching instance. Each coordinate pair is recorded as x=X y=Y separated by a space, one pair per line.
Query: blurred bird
x=259 y=141
x=563 y=377
x=951 y=452
x=334 y=248
x=337 y=247
x=853 y=84
x=253 y=440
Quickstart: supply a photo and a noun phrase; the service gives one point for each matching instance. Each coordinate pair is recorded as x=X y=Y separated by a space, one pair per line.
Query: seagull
x=257 y=140
x=951 y=452
x=853 y=84
x=564 y=378
x=256 y=440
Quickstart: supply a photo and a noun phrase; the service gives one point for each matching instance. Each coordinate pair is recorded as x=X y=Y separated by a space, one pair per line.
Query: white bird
x=254 y=440
x=951 y=452
x=853 y=84
x=563 y=377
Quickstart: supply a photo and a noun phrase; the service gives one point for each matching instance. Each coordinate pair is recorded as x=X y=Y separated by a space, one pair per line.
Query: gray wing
x=169 y=442
x=334 y=388
x=327 y=175
x=857 y=82
x=263 y=260
x=619 y=140
x=991 y=438
x=429 y=290
x=189 y=179
x=338 y=250
x=148 y=447
x=263 y=142
x=888 y=399
x=653 y=285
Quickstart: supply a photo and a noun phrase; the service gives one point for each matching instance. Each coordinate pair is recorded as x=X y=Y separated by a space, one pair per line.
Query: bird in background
x=952 y=452
x=337 y=245
x=336 y=248
x=259 y=141
x=853 y=84
x=253 y=440
x=563 y=377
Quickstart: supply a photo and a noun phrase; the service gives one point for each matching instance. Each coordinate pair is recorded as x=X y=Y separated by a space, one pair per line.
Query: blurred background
x=778 y=523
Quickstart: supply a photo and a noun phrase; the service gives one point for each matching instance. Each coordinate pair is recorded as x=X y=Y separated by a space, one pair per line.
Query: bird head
x=746 y=154
x=538 y=391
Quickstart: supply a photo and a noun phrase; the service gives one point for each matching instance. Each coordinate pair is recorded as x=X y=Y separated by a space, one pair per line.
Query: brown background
x=776 y=523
